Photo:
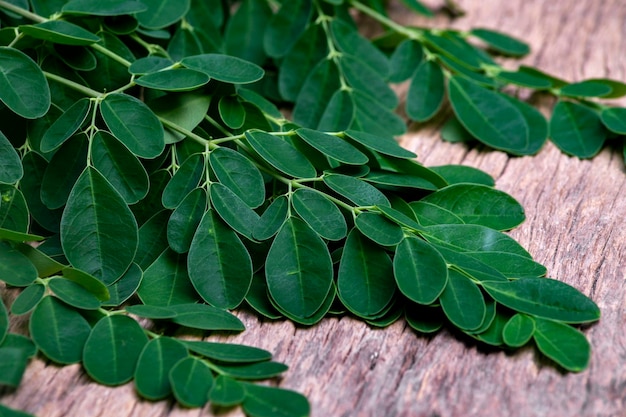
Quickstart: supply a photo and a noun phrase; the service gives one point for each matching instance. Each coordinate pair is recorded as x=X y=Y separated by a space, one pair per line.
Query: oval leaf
x=298 y=269
x=518 y=330
x=563 y=344
x=11 y=169
x=225 y=68
x=576 y=129
x=462 y=302
x=544 y=297
x=59 y=331
x=154 y=365
x=420 y=271
x=134 y=124
x=98 y=230
x=113 y=348
x=66 y=125
x=320 y=213
x=356 y=190
x=23 y=87
x=61 y=32
x=191 y=380
x=219 y=265
x=180 y=79
x=239 y=174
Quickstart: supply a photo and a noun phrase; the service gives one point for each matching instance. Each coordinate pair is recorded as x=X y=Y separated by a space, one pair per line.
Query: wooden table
x=575 y=226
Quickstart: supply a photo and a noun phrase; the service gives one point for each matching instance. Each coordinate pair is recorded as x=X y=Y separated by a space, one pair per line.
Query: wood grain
x=575 y=226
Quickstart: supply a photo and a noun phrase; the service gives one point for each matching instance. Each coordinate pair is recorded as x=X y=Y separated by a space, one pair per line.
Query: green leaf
x=149 y=64
x=379 y=228
x=586 y=88
x=113 y=348
x=462 y=302
x=576 y=129
x=245 y=31
x=125 y=287
x=73 y=294
x=537 y=126
x=156 y=361
x=162 y=13
x=544 y=297
x=179 y=79
x=518 y=330
x=184 y=221
x=166 y=282
x=66 y=125
x=365 y=278
x=14 y=236
x=186 y=110
x=298 y=269
x=479 y=204
x=501 y=42
x=60 y=32
x=356 y=190
x=104 y=8
x=59 y=331
x=454 y=174
x=510 y=265
x=64 y=169
x=232 y=111
x=418 y=7
x=254 y=371
x=618 y=88
x=525 y=79
x=280 y=154
x=473 y=238
x=184 y=181
x=228 y=352
x=262 y=401
x=286 y=26
x=152 y=239
x=23 y=87
x=233 y=210
x=134 y=124
x=13 y=363
x=316 y=317
x=226 y=392
x=11 y=169
x=205 y=317
x=349 y=41
x=333 y=146
x=15 y=268
x=420 y=271
x=191 y=381
x=31 y=186
x=430 y=214
x=272 y=219
x=321 y=214
x=488 y=116
x=563 y=344
x=13 y=209
x=119 y=166
x=614 y=119
x=239 y=174
x=370 y=116
x=98 y=230
x=219 y=265
x=307 y=52
x=451 y=45
x=225 y=68
x=465 y=263
x=151 y=204
x=362 y=77
x=402 y=180
x=258 y=298
x=339 y=113
x=315 y=94
x=88 y=282
x=383 y=144
x=406 y=57
x=426 y=92
x=27 y=299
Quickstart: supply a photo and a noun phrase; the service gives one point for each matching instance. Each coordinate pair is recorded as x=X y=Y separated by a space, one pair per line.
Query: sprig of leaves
x=146 y=153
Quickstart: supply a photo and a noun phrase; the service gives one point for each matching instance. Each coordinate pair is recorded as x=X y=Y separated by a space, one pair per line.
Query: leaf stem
x=22 y=12
x=408 y=32
x=69 y=83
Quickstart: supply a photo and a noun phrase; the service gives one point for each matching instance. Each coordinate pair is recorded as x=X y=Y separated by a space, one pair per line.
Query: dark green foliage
x=163 y=189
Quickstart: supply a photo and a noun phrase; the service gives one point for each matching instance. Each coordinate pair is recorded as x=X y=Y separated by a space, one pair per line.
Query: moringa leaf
x=60 y=32
x=166 y=282
x=518 y=330
x=321 y=214
x=182 y=224
x=563 y=344
x=66 y=125
x=462 y=302
x=191 y=381
x=157 y=359
x=298 y=269
x=576 y=129
x=426 y=92
x=280 y=154
x=225 y=68
x=23 y=87
x=546 y=298
x=95 y=207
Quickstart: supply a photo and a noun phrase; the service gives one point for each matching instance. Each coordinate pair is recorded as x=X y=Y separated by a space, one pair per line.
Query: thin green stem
x=217 y=125
x=187 y=133
x=22 y=12
x=69 y=83
x=110 y=54
x=384 y=20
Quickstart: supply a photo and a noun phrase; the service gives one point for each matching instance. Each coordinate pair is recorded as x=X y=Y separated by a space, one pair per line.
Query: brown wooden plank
x=575 y=226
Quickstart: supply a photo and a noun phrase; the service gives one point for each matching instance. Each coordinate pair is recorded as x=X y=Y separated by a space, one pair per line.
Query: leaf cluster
x=143 y=148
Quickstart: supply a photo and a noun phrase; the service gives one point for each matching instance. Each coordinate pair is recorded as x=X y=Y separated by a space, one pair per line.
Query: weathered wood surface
x=575 y=226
